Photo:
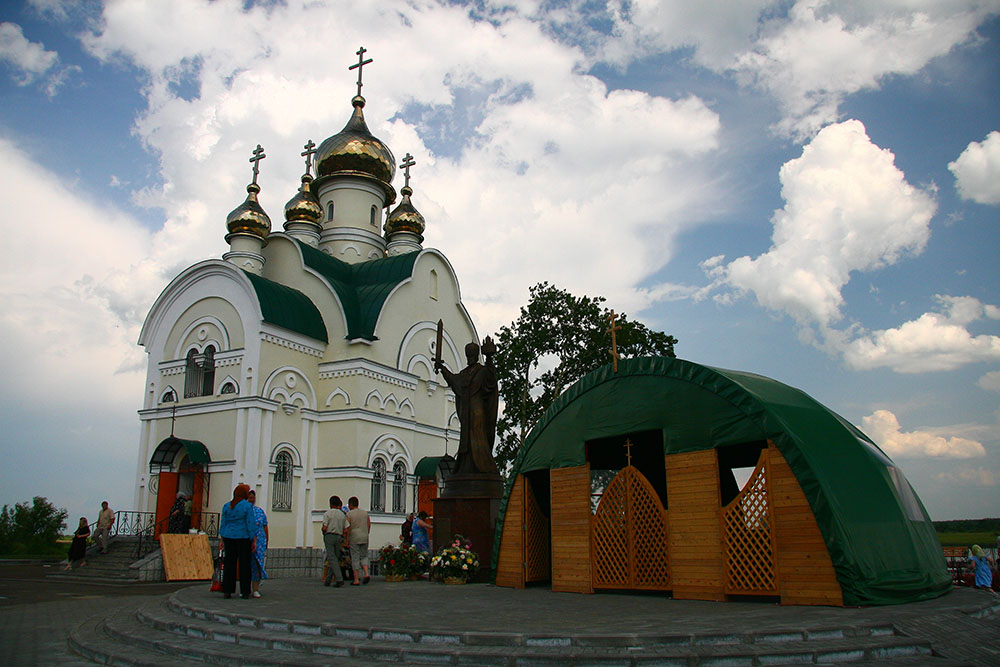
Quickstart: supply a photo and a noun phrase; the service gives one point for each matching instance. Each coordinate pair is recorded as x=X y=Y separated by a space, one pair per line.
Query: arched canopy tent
x=880 y=546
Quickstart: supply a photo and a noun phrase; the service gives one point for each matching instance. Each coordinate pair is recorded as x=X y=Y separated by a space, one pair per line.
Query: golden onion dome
x=249 y=218
x=304 y=207
x=405 y=218
x=355 y=151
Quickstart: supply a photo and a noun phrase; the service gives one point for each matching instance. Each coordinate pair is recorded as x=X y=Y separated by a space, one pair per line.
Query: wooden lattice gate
x=629 y=536
x=537 y=548
x=748 y=536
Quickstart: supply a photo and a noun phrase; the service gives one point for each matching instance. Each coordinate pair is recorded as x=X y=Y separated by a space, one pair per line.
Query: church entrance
x=180 y=468
x=629 y=545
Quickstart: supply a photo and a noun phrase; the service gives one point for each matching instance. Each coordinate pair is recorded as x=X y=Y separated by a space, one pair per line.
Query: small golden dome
x=405 y=218
x=355 y=151
x=249 y=218
x=304 y=207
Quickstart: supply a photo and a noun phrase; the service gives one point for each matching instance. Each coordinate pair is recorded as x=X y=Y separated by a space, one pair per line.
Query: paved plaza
x=37 y=613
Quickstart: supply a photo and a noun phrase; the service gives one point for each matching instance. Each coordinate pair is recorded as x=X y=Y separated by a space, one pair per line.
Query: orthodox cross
x=310 y=150
x=258 y=155
x=628 y=451
x=360 y=65
x=614 y=340
x=408 y=162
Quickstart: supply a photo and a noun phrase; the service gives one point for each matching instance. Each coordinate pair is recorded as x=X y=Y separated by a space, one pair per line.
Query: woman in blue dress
x=259 y=555
x=237 y=527
x=984 y=569
x=420 y=535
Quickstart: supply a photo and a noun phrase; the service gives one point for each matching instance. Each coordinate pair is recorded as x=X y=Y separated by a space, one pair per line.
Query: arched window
x=228 y=388
x=378 y=485
x=329 y=211
x=374 y=216
x=208 y=372
x=199 y=373
x=281 y=488
x=399 y=488
x=434 y=284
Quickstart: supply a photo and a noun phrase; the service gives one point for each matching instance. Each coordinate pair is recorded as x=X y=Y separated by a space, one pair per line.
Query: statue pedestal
x=473 y=518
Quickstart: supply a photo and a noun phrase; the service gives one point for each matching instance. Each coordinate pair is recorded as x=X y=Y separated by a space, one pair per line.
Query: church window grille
x=329 y=211
x=281 y=489
x=199 y=373
x=378 y=485
x=168 y=396
x=374 y=216
x=399 y=488
x=228 y=388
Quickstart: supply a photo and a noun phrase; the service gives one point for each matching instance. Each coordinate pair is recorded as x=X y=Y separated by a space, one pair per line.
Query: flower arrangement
x=456 y=560
x=402 y=561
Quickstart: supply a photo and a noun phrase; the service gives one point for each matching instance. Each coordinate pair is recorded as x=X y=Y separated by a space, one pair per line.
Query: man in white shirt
x=335 y=526
x=105 y=519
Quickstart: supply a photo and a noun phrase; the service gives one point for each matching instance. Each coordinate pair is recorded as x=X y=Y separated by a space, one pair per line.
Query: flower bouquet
x=401 y=562
x=456 y=562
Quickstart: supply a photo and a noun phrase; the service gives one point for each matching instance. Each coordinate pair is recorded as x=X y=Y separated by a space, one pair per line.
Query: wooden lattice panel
x=510 y=569
x=610 y=546
x=571 y=529
x=630 y=535
x=747 y=537
x=537 y=548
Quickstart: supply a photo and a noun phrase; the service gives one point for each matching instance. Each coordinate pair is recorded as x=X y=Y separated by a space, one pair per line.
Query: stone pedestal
x=473 y=518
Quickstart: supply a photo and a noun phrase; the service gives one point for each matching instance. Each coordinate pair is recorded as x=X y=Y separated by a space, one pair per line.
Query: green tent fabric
x=882 y=543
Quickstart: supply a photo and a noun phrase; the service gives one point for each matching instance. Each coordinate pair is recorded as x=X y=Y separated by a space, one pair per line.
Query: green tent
x=883 y=546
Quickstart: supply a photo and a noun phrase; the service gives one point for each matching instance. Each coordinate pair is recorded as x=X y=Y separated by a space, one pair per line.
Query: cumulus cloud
x=990 y=381
x=521 y=171
x=810 y=57
x=847 y=208
x=933 y=342
x=977 y=170
x=883 y=427
x=971 y=476
x=30 y=61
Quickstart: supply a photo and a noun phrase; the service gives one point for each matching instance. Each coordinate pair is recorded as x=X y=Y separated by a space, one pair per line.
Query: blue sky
x=805 y=189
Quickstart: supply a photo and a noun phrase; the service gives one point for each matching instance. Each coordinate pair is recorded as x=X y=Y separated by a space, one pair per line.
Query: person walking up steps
x=360 y=526
x=334 y=527
x=105 y=519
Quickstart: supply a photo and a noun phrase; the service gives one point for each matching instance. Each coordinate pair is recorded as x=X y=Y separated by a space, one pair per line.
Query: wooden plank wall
x=693 y=504
x=805 y=571
x=571 y=529
x=186 y=557
x=510 y=561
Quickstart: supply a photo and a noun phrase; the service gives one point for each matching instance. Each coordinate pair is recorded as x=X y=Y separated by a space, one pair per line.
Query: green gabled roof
x=882 y=543
x=362 y=287
x=288 y=308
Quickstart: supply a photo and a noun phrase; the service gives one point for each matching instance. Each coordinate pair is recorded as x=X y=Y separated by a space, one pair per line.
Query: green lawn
x=983 y=539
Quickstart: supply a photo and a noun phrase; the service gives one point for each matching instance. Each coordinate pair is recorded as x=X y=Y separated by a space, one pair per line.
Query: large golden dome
x=354 y=151
x=304 y=207
x=249 y=218
x=405 y=218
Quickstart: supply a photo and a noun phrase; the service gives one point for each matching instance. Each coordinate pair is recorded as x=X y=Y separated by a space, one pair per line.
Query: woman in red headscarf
x=237 y=527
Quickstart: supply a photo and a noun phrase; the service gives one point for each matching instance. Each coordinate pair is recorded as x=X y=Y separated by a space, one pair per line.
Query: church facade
x=301 y=362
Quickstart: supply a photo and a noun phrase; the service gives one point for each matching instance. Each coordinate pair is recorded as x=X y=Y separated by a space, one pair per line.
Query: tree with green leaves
x=556 y=340
x=31 y=529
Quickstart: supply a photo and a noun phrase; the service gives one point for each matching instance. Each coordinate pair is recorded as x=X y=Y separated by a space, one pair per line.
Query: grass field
x=983 y=539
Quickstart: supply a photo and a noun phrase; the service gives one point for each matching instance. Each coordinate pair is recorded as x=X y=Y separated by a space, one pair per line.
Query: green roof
x=362 y=287
x=288 y=308
x=166 y=451
x=882 y=543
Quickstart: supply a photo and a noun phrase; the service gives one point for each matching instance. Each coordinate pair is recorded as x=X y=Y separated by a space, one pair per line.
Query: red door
x=165 y=497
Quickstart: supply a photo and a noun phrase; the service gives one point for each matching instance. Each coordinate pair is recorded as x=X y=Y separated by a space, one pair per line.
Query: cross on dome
x=408 y=162
x=360 y=66
x=258 y=155
x=310 y=150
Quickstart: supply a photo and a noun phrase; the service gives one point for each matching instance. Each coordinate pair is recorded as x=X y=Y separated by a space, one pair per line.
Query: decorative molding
x=369 y=369
x=209 y=407
x=338 y=392
x=285 y=341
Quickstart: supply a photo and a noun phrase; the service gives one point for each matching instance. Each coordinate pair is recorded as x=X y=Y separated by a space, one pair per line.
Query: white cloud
x=883 y=427
x=522 y=171
x=847 y=208
x=977 y=170
x=933 y=342
x=990 y=381
x=971 y=476
x=30 y=61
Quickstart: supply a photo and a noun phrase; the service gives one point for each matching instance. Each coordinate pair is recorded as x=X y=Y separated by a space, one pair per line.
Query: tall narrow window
x=399 y=488
x=378 y=485
x=329 y=211
x=281 y=488
x=192 y=375
x=434 y=284
x=208 y=371
x=374 y=216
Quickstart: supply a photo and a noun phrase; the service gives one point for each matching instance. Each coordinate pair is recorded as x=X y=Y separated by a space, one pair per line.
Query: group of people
x=78 y=547
x=243 y=529
x=416 y=531
x=348 y=528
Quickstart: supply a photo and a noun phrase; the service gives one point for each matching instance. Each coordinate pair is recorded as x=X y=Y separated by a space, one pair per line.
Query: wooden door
x=570 y=494
x=165 y=497
x=629 y=536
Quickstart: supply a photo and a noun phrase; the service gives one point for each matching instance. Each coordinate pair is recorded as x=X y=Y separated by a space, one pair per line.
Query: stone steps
x=168 y=629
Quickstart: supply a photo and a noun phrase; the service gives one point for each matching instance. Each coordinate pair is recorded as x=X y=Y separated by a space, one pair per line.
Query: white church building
x=300 y=363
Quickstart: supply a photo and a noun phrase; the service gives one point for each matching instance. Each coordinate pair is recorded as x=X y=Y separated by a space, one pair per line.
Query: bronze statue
x=476 y=400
